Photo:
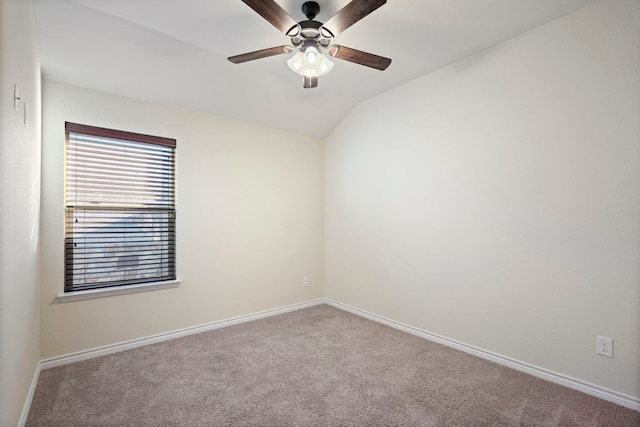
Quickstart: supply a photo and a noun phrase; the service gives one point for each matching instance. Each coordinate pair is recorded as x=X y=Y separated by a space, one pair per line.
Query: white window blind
x=120 y=208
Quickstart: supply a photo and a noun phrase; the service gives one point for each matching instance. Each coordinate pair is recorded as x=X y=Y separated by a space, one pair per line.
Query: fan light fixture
x=311 y=39
x=309 y=61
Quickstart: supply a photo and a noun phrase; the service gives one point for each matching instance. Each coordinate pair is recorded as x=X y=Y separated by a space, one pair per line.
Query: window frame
x=127 y=208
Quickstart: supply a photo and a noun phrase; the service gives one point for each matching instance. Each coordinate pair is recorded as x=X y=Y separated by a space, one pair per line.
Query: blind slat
x=120 y=209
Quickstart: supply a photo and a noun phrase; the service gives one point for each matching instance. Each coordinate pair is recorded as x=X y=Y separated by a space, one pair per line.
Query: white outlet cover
x=604 y=346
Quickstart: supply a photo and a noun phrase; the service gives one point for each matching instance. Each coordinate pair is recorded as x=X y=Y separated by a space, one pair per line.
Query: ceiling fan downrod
x=310 y=9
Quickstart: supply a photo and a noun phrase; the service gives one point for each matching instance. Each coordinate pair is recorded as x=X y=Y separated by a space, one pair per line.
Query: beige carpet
x=318 y=366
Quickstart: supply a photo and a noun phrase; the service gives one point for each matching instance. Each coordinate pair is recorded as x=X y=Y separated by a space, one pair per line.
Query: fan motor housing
x=310 y=30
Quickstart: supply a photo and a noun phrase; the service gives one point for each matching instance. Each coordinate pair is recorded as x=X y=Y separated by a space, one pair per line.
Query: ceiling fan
x=311 y=39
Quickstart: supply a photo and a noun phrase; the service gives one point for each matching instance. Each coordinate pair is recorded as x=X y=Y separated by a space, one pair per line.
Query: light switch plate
x=16 y=97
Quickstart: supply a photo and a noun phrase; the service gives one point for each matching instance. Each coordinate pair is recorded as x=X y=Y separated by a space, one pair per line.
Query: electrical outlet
x=305 y=281
x=604 y=346
x=33 y=338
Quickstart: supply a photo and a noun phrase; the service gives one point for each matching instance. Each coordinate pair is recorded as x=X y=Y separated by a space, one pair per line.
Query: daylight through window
x=120 y=208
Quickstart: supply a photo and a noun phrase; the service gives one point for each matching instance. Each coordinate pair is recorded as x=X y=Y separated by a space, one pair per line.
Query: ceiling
x=174 y=52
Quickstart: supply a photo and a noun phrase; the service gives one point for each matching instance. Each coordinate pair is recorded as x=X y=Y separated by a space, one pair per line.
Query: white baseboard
x=139 y=342
x=554 y=377
x=29 y=399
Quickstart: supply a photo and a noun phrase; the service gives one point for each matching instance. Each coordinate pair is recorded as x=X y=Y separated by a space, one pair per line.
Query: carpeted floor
x=319 y=366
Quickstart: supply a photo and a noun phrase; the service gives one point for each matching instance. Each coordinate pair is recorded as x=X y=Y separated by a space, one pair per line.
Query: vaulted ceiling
x=174 y=52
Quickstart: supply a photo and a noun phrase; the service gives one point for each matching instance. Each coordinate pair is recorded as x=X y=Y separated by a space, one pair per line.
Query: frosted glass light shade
x=310 y=63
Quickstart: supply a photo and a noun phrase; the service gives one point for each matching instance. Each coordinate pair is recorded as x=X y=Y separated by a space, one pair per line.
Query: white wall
x=19 y=207
x=249 y=222
x=497 y=201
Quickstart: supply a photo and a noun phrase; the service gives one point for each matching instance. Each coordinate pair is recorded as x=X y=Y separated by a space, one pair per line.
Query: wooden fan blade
x=359 y=57
x=277 y=16
x=349 y=15
x=264 y=53
x=309 y=82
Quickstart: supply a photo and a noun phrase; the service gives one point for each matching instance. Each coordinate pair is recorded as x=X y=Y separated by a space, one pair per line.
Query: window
x=119 y=208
